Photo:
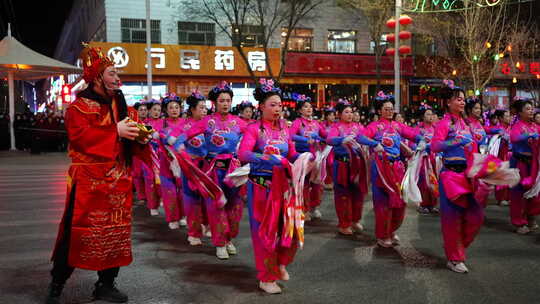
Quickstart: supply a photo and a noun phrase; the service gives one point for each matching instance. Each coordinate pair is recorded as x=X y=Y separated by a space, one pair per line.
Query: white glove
x=421 y=146
x=378 y=148
x=348 y=139
x=127 y=129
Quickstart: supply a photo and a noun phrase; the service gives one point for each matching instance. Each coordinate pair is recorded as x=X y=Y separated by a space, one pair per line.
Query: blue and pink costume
x=261 y=144
x=302 y=131
x=194 y=205
x=171 y=186
x=523 y=136
x=349 y=173
x=221 y=136
x=150 y=173
x=427 y=183
x=461 y=215
x=387 y=171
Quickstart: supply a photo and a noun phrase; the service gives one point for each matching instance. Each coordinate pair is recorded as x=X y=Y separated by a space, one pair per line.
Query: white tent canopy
x=19 y=62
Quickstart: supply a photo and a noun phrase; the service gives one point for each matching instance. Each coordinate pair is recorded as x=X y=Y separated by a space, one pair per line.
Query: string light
x=514 y=80
x=438 y=6
x=454 y=73
x=488 y=45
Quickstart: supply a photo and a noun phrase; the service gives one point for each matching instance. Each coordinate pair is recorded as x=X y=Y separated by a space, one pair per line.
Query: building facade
x=330 y=57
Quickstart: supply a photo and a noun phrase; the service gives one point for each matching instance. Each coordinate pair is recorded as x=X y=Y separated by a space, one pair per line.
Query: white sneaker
x=206 y=231
x=386 y=243
x=173 y=225
x=183 y=222
x=523 y=230
x=357 y=227
x=395 y=239
x=193 y=241
x=504 y=203
x=231 y=249
x=316 y=213
x=154 y=212
x=284 y=273
x=270 y=287
x=221 y=253
x=458 y=267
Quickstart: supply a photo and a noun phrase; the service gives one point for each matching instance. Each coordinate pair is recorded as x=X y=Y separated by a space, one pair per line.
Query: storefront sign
x=525 y=69
x=344 y=64
x=130 y=58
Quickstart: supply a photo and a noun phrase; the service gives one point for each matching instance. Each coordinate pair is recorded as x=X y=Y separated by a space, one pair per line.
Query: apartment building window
x=248 y=35
x=423 y=45
x=300 y=39
x=340 y=41
x=196 y=33
x=134 y=30
x=383 y=44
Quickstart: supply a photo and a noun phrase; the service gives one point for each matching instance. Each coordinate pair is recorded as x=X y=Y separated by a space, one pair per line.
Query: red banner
x=343 y=64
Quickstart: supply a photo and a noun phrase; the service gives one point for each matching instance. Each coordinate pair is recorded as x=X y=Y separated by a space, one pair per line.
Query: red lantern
x=390 y=37
x=390 y=51
x=391 y=23
x=404 y=49
x=404 y=35
x=405 y=20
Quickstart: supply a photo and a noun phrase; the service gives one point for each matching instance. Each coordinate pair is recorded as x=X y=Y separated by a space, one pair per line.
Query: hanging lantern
x=404 y=50
x=390 y=51
x=391 y=23
x=405 y=20
x=514 y=80
x=391 y=38
x=405 y=35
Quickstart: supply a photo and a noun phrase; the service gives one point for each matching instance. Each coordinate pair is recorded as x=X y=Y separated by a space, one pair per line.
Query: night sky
x=35 y=23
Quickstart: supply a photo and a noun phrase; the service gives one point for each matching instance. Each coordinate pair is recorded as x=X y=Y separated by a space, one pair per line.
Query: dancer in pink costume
x=525 y=144
x=194 y=204
x=461 y=215
x=266 y=146
x=308 y=135
x=246 y=112
x=387 y=170
x=222 y=132
x=502 y=193
x=349 y=170
x=151 y=172
x=137 y=171
x=171 y=185
x=427 y=183
x=329 y=120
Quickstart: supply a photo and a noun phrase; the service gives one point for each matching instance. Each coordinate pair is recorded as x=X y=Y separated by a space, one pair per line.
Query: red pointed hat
x=94 y=62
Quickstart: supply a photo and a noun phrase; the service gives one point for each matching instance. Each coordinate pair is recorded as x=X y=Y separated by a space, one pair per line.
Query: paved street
x=330 y=269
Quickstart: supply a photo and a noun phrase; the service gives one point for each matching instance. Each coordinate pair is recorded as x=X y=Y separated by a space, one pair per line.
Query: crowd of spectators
x=34 y=132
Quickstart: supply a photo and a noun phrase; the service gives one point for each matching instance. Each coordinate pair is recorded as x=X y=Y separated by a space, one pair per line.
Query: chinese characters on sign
x=532 y=68
x=191 y=59
x=257 y=61
x=224 y=60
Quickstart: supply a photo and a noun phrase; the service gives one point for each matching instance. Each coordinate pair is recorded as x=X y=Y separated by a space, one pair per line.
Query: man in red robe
x=95 y=232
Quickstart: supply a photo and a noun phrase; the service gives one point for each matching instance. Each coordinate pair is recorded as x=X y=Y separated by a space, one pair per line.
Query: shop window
x=299 y=40
x=248 y=35
x=382 y=44
x=134 y=30
x=423 y=45
x=341 y=41
x=196 y=33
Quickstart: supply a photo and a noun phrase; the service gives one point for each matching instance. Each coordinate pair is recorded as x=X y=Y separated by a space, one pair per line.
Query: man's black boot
x=108 y=292
x=53 y=296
